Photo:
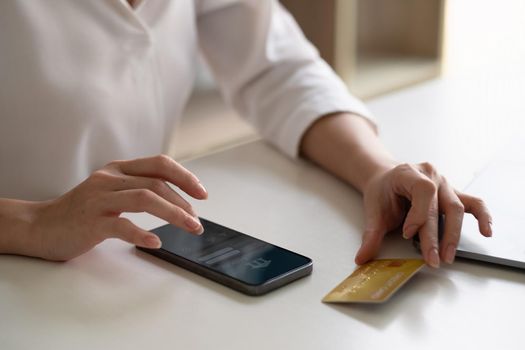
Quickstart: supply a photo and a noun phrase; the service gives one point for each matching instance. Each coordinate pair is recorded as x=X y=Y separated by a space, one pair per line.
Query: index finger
x=165 y=168
x=422 y=215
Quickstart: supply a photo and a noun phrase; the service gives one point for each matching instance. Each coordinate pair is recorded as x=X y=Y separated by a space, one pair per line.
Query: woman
x=87 y=82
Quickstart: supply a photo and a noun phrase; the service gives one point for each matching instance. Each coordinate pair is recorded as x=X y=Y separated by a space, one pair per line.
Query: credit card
x=375 y=281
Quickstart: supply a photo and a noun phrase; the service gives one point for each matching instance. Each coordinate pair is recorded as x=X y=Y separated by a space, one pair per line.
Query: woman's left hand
x=413 y=196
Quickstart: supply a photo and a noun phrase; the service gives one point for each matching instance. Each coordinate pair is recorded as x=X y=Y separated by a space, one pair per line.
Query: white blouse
x=86 y=82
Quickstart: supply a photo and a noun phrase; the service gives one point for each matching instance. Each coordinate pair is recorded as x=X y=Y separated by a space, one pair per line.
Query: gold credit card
x=375 y=281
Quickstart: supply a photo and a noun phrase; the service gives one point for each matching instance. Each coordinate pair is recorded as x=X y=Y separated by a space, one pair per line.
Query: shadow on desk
x=99 y=286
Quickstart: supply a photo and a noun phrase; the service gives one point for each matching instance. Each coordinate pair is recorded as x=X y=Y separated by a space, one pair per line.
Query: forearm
x=15 y=223
x=347 y=146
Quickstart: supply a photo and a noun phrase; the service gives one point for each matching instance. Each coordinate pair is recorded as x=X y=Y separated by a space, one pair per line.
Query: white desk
x=115 y=297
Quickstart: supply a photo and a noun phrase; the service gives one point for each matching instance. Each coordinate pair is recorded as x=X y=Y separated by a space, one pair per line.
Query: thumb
x=372 y=239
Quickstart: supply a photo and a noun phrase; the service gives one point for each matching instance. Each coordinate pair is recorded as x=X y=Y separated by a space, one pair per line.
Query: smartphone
x=232 y=258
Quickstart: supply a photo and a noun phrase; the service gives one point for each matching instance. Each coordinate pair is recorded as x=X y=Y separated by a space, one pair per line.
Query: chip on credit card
x=375 y=281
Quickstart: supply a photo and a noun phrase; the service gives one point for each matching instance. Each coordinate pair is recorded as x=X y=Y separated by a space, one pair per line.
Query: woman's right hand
x=72 y=224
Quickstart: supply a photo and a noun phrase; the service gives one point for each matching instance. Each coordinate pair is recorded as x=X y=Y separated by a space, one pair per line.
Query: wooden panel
x=375 y=45
x=401 y=26
x=317 y=20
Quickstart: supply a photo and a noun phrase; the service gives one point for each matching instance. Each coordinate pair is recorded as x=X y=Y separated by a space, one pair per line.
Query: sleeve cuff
x=289 y=137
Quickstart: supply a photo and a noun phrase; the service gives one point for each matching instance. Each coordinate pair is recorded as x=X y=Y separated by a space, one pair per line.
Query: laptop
x=502 y=186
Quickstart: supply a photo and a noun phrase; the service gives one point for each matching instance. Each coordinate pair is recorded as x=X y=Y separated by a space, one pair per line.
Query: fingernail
x=193 y=223
x=200 y=231
x=152 y=241
x=450 y=253
x=409 y=231
x=489 y=229
x=433 y=258
x=202 y=189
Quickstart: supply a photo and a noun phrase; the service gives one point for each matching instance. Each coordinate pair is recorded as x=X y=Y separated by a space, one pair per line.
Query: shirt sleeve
x=268 y=71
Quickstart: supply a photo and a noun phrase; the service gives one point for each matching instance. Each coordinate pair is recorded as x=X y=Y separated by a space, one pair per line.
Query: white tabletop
x=115 y=297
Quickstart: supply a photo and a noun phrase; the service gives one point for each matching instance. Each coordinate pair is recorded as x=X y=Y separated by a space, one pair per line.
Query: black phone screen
x=230 y=252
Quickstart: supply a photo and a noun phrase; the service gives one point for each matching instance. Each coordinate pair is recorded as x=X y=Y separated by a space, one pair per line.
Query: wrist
x=372 y=164
x=17 y=219
x=379 y=168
